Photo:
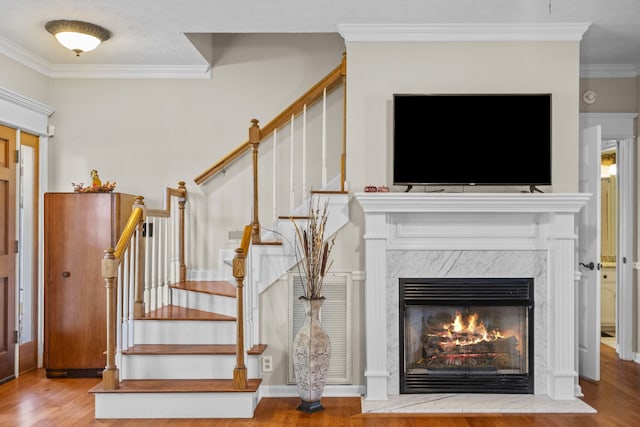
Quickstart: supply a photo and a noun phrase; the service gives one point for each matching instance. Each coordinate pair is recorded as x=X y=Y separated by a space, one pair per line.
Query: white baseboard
x=329 y=391
x=636 y=357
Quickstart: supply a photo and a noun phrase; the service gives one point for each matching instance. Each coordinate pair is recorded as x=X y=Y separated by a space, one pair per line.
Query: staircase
x=191 y=349
x=182 y=361
x=181 y=358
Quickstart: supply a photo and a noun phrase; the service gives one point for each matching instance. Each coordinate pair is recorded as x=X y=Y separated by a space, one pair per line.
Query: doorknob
x=591 y=266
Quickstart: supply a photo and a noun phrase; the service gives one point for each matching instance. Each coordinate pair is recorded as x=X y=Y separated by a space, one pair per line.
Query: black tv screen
x=472 y=139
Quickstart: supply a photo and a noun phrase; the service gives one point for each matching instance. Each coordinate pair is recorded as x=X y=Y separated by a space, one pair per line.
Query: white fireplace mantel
x=471 y=202
x=428 y=233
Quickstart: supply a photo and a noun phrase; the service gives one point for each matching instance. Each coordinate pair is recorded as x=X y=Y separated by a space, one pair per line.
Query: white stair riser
x=206 y=302
x=175 y=405
x=184 y=366
x=184 y=332
x=273 y=264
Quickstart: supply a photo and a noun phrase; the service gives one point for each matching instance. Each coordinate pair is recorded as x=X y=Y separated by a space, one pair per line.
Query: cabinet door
x=78 y=227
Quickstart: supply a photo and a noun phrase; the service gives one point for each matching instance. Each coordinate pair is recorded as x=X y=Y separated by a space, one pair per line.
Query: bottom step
x=214 y=398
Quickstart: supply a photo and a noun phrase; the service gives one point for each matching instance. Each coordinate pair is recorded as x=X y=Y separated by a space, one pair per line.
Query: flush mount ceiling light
x=77 y=36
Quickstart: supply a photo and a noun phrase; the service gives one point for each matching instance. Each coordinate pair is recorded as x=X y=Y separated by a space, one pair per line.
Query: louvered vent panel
x=335 y=316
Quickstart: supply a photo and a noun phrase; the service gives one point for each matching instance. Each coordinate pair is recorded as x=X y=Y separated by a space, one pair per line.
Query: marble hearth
x=472 y=235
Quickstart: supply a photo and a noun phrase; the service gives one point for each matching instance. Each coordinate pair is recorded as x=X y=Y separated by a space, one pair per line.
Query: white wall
x=378 y=70
x=23 y=80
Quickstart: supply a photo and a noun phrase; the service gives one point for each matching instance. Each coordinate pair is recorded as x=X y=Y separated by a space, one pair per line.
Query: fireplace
x=479 y=235
x=466 y=335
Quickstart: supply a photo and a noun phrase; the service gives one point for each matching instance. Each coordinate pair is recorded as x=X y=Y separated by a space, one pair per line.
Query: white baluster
x=324 y=138
x=160 y=234
x=291 y=184
x=304 y=151
x=153 y=297
x=275 y=174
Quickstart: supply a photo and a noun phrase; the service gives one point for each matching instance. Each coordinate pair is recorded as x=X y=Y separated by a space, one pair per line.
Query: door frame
x=619 y=127
x=25 y=114
x=28 y=272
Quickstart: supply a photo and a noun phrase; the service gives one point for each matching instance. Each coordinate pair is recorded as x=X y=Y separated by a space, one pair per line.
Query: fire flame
x=470 y=330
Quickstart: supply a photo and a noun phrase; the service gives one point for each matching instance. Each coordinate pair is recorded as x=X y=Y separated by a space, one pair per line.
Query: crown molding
x=24 y=57
x=60 y=71
x=463 y=32
x=26 y=103
x=609 y=71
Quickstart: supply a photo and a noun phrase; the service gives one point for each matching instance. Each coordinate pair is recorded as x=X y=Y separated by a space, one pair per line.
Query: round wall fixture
x=590 y=96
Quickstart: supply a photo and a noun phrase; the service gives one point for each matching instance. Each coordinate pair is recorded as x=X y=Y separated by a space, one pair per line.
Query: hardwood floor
x=34 y=400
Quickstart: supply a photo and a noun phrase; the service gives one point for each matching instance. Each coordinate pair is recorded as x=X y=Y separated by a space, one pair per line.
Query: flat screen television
x=472 y=139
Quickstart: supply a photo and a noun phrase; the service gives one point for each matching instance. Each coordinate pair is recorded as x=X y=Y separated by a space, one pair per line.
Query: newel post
x=181 y=202
x=254 y=140
x=111 y=374
x=240 y=371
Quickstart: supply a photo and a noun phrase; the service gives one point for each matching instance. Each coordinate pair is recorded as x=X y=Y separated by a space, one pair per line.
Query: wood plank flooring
x=34 y=400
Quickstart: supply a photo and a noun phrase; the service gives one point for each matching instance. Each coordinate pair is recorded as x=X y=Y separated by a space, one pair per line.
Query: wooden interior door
x=7 y=252
x=28 y=263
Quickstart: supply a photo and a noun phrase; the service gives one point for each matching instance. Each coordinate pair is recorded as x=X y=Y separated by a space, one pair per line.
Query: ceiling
x=151 y=35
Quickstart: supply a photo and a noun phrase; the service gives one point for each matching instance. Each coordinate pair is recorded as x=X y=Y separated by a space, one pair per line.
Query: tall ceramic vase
x=311 y=355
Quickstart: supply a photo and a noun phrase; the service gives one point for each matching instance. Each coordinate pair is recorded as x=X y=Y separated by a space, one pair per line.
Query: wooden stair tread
x=180 y=386
x=174 y=312
x=257 y=349
x=211 y=287
x=209 y=349
x=295 y=217
x=268 y=243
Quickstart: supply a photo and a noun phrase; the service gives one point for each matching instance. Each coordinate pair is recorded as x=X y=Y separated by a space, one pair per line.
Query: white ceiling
x=150 y=34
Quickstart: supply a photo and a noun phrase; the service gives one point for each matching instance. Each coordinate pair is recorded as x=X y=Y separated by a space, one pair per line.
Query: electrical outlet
x=267 y=364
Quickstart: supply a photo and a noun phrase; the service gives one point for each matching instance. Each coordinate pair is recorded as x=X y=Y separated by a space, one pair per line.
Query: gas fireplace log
x=437 y=346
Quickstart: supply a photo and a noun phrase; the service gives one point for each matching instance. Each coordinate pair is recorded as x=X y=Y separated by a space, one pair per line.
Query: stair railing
x=165 y=259
x=121 y=278
x=239 y=272
x=125 y=270
x=257 y=136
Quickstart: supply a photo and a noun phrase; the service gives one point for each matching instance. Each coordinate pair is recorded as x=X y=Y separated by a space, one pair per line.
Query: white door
x=589 y=256
x=624 y=258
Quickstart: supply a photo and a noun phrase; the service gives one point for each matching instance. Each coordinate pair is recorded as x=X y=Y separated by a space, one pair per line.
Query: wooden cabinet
x=78 y=227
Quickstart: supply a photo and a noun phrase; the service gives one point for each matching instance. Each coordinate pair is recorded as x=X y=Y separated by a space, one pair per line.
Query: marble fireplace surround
x=472 y=235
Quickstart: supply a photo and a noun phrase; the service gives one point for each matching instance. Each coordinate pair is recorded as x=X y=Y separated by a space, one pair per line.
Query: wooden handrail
x=127 y=232
x=165 y=212
x=181 y=193
x=246 y=240
x=313 y=95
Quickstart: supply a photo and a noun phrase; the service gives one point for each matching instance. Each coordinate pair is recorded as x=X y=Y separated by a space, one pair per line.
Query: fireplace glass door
x=466 y=335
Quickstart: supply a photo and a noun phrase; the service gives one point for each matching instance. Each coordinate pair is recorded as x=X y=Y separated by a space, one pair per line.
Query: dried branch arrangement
x=313 y=250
